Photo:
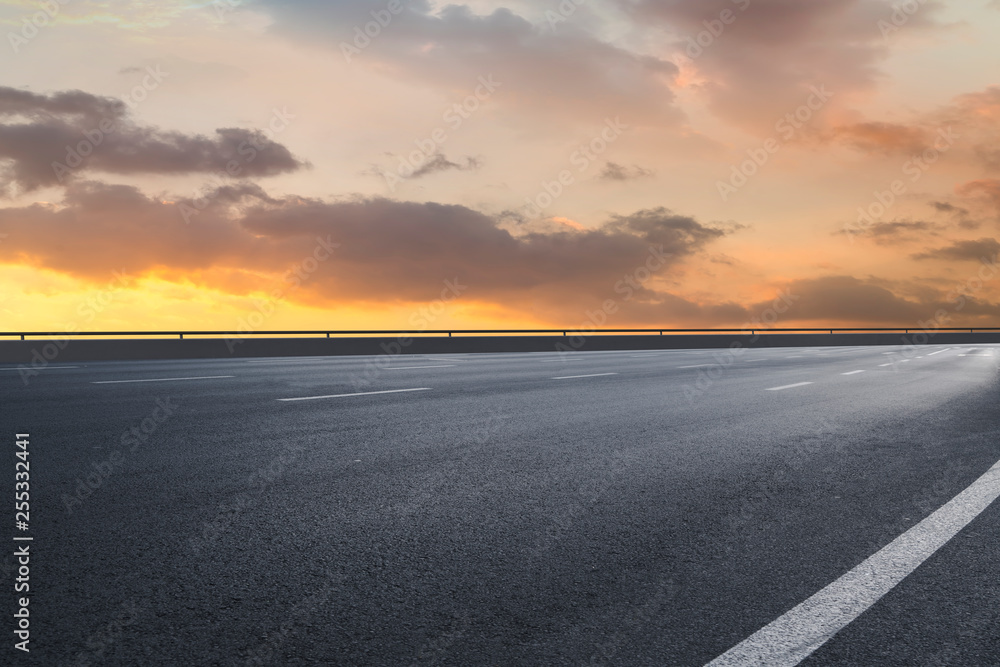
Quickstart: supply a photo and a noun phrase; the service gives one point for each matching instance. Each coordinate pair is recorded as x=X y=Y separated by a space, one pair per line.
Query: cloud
x=988 y=188
x=438 y=163
x=946 y=207
x=50 y=139
x=978 y=250
x=615 y=172
x=896 y=231
x=389 y=251
x=762 y=64
x=567 y=72
x=831 y=299
x=972 y=120
x=887 y=138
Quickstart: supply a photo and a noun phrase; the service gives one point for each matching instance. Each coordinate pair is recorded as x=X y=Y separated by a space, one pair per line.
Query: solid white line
x=938 y=352
x=409 y=368
x=576 y=377
x=794 y=636
x=42 y=368
x=789 y=386
x=363 y=393
x=284 y=361
x=852 y=373
x=557 y=361
x=210 y=377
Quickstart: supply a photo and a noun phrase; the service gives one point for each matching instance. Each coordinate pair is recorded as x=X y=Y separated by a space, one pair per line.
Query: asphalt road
x=618 y=508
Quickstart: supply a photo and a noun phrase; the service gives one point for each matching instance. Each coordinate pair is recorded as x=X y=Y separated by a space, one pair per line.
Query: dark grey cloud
x=946 y=207
x=438 y=163
x=900 y=231
x=846 y=299
x=972 y=250
x=51 y=139
x=389 y=250
x=613 y=171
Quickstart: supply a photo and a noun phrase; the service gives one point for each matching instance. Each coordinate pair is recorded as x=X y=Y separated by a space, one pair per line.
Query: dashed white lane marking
x=362 y=393
x=410 y=368
x=884 y=365
x=210 y=377
x=938 y=352
x=794 y=636
x=789 y=386
x=576 y=377
x=852 y=373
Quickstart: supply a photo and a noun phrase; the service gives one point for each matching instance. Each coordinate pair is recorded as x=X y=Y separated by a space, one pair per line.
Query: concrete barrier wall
x=83 y=349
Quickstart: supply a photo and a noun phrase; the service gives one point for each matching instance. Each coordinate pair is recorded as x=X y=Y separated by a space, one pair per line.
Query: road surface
x=613 y=508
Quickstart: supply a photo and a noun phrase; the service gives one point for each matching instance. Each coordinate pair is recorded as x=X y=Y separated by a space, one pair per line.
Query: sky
x=265 y=165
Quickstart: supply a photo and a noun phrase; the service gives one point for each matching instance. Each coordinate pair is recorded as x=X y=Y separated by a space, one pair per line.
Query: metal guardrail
x=468 y=332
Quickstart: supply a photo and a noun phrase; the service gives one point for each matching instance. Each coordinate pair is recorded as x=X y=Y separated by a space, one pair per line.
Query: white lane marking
x=852 y=373
x=410 y=368
x=363 y=393
x=884 y=365
x=789 y=386
x=697 y=366
x=794 y=356
x=794 y=636
x=938 y=352
x=284 y=361
x=558 y=361
x=576 y=377
x=43 y=368
x=210 y=377
x=975 y=355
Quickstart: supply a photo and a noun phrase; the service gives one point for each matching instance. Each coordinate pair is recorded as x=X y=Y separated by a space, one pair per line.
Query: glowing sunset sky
x=185 y=165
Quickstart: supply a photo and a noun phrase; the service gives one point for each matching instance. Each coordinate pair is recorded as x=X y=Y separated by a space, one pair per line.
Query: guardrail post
x=22 y=336
x=182 y=336
x=328 y=335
